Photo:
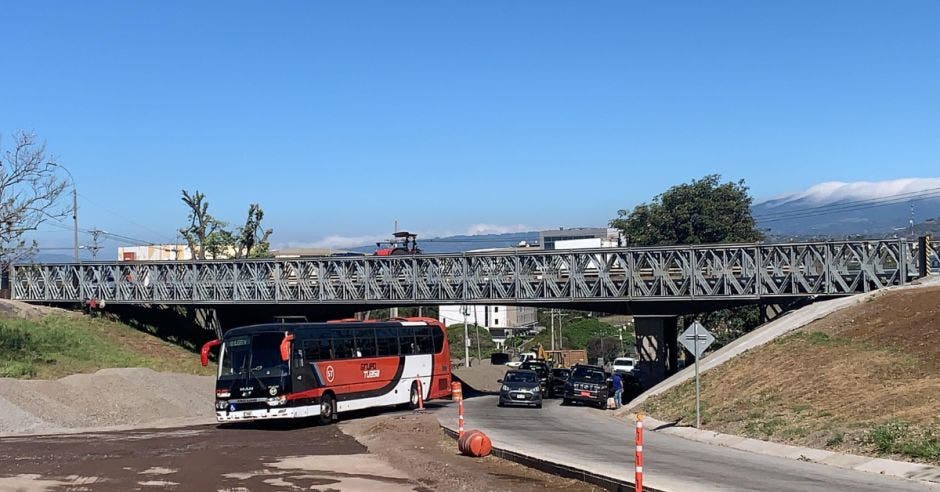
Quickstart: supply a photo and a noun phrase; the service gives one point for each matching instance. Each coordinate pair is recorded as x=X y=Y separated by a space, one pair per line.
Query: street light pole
x=74 y=218
x=74 y=208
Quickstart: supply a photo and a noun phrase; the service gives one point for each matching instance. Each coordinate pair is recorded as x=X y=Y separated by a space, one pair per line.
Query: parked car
x=544 y=372
x=587 y=384
x=520 y=387
x=523 y=358
x=624 y=365
x=559 y=378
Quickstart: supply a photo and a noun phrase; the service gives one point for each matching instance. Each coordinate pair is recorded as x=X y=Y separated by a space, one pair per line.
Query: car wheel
x=565 y=401
x=499 y=403
x=538 y=405
x=327 y=409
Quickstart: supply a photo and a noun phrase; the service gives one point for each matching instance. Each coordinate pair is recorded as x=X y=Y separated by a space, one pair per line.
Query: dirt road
x=406 y=452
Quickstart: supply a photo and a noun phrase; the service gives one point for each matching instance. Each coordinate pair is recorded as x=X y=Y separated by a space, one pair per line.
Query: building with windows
x=501 y=321
x=579 y=237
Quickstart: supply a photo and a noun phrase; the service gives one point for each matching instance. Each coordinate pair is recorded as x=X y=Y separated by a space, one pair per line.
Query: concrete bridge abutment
x=658 y=347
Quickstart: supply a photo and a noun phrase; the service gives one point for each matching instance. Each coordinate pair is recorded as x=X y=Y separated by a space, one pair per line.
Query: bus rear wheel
x=327 y=409
x=413 y=399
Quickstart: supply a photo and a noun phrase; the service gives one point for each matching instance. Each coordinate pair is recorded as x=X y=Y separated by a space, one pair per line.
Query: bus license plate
x=585 y=393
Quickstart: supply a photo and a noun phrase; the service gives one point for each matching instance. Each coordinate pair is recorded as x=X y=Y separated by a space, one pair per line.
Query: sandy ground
x=415 y=444
x=108 y=398
x=391 y=451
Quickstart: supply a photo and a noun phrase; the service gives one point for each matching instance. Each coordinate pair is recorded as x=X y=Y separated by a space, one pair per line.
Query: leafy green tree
x=701 y=211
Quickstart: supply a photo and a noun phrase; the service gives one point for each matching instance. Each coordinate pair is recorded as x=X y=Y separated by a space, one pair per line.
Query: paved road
x=591 y=439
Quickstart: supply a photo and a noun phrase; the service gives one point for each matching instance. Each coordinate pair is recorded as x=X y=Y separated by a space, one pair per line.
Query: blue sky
x=340 y=118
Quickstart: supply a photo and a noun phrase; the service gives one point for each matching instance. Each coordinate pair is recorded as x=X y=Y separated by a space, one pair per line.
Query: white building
x=155 y=252
x=500 y=321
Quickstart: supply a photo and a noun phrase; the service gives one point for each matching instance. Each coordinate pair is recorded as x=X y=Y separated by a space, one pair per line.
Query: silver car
x=520 y=387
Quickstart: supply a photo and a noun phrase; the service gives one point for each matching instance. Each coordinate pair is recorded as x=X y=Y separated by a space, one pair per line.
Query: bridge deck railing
x=726 y=271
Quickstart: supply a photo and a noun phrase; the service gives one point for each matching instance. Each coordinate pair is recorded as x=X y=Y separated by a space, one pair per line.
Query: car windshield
x=519 y=377
x=561 y=373
x=624 y=362
x=589 y=375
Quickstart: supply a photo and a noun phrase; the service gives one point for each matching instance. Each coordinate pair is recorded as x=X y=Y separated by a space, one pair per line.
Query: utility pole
x=94 y=247
x=476 y=329
x=466 y=339
x=74 y=217
x=552 y=315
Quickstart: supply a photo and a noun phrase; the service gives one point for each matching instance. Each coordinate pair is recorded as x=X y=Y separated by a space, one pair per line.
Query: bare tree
x=205 y=233
x=29 y=195
x=252 y=239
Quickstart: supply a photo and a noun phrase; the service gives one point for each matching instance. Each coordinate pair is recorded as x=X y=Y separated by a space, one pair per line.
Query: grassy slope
x=863 y=380
x=59 y=345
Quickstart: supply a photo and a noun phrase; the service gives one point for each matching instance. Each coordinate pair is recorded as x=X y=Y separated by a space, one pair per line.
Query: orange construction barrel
x=475 y=443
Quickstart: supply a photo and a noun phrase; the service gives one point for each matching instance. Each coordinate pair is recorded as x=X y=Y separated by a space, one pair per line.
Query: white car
x=624 y=364
x=526 y=357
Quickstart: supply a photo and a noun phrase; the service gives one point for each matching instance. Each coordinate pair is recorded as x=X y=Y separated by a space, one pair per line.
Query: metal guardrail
x=726 y=272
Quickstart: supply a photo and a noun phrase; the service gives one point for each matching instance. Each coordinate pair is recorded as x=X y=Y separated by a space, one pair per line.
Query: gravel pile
x=109 y=398
x=481 y=377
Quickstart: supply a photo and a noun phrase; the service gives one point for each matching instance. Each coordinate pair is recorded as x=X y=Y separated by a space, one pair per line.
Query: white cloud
x=478 y=229
x=860 y=190
x=337 y=242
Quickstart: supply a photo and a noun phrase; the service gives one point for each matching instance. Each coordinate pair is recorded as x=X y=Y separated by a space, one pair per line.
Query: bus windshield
x=260 y=353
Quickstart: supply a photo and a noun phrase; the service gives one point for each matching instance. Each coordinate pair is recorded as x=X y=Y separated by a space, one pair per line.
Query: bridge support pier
x=658 y=347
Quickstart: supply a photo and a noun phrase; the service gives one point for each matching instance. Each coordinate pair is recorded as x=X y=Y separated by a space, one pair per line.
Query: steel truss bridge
x=744 y=273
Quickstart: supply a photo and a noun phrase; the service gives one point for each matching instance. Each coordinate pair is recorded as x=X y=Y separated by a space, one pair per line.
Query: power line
x=125 y=218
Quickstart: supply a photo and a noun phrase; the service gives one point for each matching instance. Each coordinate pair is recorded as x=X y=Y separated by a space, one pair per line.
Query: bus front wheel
x=327 y=409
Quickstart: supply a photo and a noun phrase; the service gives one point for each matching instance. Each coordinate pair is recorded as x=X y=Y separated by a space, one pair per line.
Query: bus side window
x=387 y=341
x=406 y=335
x=438 y=337
x=344 y=348
x=365 y=342
x=423 y=339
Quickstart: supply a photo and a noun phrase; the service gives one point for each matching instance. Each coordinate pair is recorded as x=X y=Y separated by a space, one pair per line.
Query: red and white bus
x=283 y=370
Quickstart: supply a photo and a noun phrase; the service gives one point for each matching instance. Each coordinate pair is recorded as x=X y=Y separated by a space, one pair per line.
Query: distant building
x=155 y=252
x=607 y=236
x=501 y=321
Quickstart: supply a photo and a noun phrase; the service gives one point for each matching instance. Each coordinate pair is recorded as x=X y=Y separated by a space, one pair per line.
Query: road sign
x=696 y=339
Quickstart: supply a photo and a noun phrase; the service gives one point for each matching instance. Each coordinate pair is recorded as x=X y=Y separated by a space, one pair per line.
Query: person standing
x=618 y=390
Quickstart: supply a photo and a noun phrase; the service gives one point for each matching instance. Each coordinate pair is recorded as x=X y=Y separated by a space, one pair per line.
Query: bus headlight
x=280 y=400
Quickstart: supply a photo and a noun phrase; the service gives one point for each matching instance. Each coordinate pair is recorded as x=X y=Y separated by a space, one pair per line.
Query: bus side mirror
x=204 y=353
x=285 y=347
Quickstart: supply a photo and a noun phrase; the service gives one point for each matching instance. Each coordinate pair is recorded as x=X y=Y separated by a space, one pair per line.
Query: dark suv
x=541 y=368
x=587 y=384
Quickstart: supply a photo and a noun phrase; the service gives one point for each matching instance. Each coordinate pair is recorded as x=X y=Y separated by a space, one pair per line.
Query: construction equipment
x=402 y=243
x=566 y=358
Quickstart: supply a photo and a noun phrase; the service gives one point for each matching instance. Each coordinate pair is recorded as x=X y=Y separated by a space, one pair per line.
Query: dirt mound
x=865 y=379
x=107 y=398
x=22 y=310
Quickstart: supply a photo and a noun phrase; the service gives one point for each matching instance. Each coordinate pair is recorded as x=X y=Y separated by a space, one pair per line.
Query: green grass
x=899 y=437
x=56 y=346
